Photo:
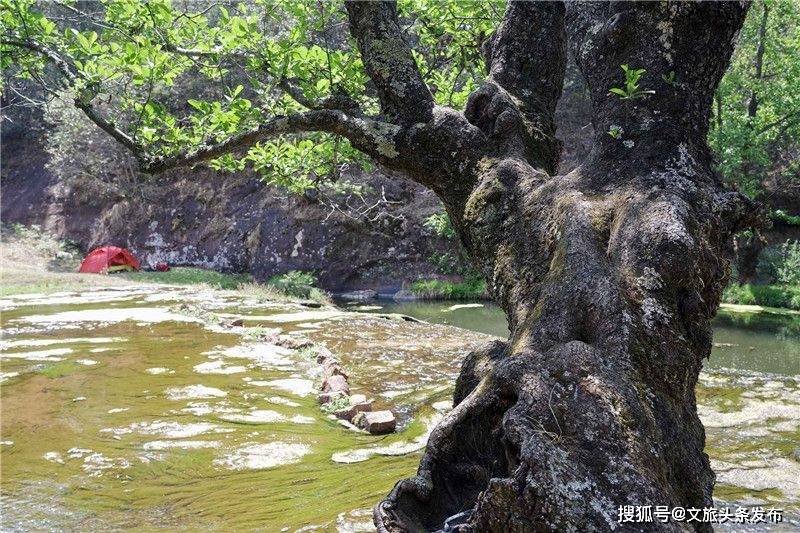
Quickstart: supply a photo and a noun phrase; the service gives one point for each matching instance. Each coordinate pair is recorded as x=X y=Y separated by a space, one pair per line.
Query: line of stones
x=357 y=409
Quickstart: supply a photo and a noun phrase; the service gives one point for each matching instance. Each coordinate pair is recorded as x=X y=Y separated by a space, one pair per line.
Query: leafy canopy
x=748 y=147
x=173 y=80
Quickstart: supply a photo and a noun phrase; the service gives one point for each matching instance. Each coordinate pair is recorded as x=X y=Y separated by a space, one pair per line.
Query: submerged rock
x=376 y=422
x=359 y=296
x=293 y=342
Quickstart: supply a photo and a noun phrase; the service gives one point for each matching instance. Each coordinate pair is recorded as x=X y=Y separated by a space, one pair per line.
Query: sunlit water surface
x=135 y=409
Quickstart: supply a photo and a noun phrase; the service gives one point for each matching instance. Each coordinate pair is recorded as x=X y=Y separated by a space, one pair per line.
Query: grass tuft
x=473 y=288
x=189 y=276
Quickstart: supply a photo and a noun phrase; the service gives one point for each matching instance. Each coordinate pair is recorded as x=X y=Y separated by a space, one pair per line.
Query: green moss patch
x=434 y=289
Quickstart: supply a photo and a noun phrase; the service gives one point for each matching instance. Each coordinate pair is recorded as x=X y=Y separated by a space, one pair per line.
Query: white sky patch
x=41 y=355
x=77 y=453
x=156 y=370
x=266 y=416
x=462 y=306
x=166 y=428
x=263 y=354
x=194 y=392
x=300 y=316
x=53 y=457
x=282 y=401
x=297 y=386
x=160 y=445
x=259 y=416
x=94 y=464
x=254 y=456
x=75 y=299
x=217 y=367
x=4 y=345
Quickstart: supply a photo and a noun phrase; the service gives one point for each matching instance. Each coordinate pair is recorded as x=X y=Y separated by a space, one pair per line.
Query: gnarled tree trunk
x=609 y=277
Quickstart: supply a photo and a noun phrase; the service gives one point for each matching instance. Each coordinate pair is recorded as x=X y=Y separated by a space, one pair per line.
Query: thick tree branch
x=526 y=57
x=375 y=138
x=387 y=58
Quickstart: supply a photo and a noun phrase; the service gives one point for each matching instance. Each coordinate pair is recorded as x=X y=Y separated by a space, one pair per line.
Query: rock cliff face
x=227 y=222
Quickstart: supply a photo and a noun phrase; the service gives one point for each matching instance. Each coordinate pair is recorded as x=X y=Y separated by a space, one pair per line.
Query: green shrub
x=780 y=264
x=298 y=284
x=340 y=403
x=472 y=288
x=448 y=263
x=767 y=295
x=788 y=270
x=440 y=224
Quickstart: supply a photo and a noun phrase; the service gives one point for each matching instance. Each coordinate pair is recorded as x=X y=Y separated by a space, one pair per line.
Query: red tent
x=108 y=259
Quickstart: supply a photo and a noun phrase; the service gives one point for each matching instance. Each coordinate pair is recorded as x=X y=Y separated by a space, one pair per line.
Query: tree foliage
x=166 y=82
x=757 y=105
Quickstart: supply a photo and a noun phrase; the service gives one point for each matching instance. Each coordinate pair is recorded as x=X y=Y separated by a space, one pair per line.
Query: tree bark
x=609 y=277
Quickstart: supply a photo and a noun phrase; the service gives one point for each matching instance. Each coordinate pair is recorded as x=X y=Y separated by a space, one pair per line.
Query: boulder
x=357 y=398
x=333 y=370
x=376 y=422
x=359 y=296
x=404 y=296
x=327 y=397
x=334 y=383
x=358 y=404
x=293 y=342
x=236 y=323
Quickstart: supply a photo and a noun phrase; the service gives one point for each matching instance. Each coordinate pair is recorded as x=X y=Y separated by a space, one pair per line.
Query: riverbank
x=33 y=262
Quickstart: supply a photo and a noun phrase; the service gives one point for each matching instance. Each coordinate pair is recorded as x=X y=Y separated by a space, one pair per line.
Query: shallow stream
x=138 y=408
